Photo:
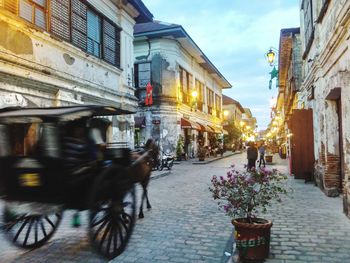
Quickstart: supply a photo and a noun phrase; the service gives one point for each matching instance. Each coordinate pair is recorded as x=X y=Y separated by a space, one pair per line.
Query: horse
x=141 y=169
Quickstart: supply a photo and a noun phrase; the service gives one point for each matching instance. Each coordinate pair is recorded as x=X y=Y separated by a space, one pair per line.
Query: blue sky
x=235 y=35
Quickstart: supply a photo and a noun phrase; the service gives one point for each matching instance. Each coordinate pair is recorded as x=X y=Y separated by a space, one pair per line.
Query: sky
x=235 y=35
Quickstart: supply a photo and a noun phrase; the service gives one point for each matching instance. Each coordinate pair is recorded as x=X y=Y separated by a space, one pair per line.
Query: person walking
x=262 y=155
x=252 y=156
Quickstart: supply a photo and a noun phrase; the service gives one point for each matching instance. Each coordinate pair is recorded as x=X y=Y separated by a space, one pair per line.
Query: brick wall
x=332 y=171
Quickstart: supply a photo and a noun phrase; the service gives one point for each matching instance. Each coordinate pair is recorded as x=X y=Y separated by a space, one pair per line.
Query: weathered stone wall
x=51 y=72
x=326 y=67
x=166 y=56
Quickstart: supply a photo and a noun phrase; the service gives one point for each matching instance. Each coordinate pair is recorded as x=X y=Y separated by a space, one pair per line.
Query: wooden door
x=302 y=144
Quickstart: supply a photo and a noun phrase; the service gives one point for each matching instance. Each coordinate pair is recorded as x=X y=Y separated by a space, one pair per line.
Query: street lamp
x=271 y=59
x=226 y=113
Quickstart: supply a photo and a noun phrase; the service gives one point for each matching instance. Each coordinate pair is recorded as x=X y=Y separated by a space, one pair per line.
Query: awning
x=225 y=132
x=214 y=129
x=204 y=128
x=140 y=122
x=187 y=124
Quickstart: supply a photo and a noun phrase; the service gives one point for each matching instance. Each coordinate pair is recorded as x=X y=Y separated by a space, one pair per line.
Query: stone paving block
x=185 y=221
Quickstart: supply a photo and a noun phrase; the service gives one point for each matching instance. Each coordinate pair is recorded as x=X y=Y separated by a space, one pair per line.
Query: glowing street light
x=226 y=113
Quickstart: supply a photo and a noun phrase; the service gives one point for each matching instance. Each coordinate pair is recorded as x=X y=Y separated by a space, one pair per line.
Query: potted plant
x=242 y=195
x=202 y=152
x=268 y=158
x=180 y=148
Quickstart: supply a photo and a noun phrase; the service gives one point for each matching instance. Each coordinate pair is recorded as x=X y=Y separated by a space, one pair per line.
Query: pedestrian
x=262 y=155
x=252 y=156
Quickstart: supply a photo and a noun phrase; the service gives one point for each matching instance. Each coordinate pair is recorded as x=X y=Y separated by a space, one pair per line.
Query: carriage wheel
x=30 y=231
x=112 y=215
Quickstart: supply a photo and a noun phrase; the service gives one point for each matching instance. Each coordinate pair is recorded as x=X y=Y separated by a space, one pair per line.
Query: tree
x=234 y=133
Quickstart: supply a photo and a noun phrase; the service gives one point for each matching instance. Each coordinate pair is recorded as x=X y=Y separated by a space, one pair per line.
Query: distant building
x=287 y=108
x=234 y=108
x=66 y=52
x=248 y=119
x=187 y=88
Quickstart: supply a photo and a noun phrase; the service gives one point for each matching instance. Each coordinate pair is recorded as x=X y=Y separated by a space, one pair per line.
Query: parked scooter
x=167 y=161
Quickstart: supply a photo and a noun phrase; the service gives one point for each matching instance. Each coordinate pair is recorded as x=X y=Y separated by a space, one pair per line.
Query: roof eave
x=179 y=32
x=144 y=14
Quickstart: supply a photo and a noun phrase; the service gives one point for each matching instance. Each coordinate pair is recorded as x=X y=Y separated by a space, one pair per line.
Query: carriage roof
x=57 y=114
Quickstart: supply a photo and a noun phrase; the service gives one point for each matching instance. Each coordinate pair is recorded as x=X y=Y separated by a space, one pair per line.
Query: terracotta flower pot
x=268 y=158
x=252 y=240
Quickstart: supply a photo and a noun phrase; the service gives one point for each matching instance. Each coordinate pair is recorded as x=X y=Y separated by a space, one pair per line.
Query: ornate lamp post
x=271 y=59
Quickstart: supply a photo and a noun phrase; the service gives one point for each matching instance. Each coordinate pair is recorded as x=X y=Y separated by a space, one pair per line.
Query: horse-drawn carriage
x=50 y=162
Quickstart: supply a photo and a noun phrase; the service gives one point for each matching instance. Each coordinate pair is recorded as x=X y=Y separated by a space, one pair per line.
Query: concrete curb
x=163 y=174
x=215 y=159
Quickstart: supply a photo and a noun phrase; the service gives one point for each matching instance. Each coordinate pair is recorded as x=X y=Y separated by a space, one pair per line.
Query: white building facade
x=67 y=52
x=187 y=88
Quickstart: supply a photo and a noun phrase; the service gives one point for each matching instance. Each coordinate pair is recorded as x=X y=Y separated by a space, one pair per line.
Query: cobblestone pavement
x=184 y=225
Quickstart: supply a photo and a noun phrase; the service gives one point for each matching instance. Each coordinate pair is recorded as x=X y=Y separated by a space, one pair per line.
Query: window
x=75 y=21
x=9 y=5
x=308 y=24
x=79 y=24
x=218 y=105
x=60 y=18
x=186 y=82
x=142 y=74
x=33 y=11
x=210 y=100
x=93 y=34
x=200 y=99
x=111 y=43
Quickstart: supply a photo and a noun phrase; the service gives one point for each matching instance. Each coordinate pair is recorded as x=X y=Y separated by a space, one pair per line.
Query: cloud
x=235 y=35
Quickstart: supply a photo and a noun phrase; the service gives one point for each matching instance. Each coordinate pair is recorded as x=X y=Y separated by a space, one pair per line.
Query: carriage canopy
x=57 y=114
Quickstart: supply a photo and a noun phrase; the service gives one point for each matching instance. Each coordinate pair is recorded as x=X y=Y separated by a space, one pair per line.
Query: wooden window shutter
x=79 y=24
x=136 y=75
x=10 y=5
x=111 y=43
x=60 y=11
x=117 y=52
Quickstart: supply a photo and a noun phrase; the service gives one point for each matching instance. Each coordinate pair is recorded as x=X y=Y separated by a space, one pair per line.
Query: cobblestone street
x=185 y=225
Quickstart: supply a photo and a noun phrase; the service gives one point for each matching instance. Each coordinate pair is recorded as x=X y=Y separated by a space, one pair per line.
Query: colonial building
x=66 y=52
x=234 y=110
x=293 y=133
x=248 y=119
x=325 y=90
x=187 y=88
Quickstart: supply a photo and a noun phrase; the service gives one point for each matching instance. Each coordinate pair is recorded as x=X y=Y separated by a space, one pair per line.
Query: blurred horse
x=141 y=169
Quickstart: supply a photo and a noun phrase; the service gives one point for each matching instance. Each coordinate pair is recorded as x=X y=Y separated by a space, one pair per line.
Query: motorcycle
x=167 y=161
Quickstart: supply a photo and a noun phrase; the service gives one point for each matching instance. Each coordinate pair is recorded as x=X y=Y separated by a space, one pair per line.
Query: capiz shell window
x=33 y=11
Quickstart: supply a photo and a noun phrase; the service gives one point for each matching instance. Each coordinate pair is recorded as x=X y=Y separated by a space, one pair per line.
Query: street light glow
x=194 y=94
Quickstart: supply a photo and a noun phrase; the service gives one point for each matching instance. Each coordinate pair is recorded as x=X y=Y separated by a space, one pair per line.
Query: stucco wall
x=48 y=71
x=166 y=57
x=325 y=68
